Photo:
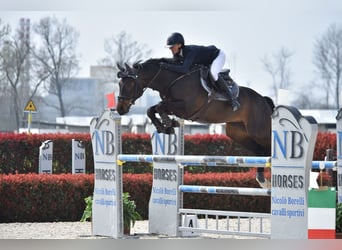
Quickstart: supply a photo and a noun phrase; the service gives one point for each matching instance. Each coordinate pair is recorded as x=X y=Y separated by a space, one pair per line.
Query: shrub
x=27 y=147
x=43 y=197
x=47 y=198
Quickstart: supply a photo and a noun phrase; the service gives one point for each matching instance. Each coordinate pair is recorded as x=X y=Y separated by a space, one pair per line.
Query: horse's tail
x=270 y=102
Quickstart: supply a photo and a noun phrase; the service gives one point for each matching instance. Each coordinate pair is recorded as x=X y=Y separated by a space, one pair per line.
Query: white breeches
x=217 y=65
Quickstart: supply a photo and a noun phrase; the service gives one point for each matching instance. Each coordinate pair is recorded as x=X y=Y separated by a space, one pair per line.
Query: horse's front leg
x=151 y=113
x=163 y=110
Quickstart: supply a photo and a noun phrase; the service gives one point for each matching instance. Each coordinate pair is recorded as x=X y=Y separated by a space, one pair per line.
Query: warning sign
x=30 y=106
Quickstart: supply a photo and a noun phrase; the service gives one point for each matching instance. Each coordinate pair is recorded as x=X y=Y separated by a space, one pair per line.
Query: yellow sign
x=30 y=106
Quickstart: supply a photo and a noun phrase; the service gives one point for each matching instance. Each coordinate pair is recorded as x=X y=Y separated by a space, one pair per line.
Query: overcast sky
x=245 y=30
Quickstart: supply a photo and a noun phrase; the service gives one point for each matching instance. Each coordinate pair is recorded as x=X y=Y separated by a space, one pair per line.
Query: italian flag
x=322 y=213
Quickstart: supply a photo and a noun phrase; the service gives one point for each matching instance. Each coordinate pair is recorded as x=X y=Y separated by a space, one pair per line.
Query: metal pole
x=29 y=120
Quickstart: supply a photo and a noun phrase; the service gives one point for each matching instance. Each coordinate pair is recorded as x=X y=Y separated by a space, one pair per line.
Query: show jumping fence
x=293 y=140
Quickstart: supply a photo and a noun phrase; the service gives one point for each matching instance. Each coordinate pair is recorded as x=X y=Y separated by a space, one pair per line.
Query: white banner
x=293 y=142
x=166 y=179
x=45 y=157
x=107 y=199
x=78 y=157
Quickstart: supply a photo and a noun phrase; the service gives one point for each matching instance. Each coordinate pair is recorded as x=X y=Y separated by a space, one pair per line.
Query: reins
x=168 y=87
x=137 y=84
x=154 y=78
x=163 y=93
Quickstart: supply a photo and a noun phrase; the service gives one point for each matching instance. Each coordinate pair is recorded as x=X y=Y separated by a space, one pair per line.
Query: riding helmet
x=175 y=38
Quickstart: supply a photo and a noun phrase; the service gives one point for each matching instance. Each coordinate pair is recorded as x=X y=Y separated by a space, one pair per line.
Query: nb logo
x=289 y=145
x=164 y=144
x=103 y=142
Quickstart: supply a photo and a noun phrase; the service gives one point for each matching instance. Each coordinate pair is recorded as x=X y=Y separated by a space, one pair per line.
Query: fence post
x=293 y=141
x=107 y=210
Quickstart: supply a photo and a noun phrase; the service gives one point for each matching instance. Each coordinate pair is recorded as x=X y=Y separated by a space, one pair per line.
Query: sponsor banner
x=45 y=157
x=167 y=176
x=78 y=157
x=107 y=198
x=293 y=140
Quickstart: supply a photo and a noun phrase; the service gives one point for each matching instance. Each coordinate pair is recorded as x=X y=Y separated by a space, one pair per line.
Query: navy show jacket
x=191 y=55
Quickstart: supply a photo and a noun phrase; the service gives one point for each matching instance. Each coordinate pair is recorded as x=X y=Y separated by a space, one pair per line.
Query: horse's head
x=130 y=88
x=134 y=80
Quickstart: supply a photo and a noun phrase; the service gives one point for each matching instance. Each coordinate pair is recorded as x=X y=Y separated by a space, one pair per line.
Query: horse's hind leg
x=167 y=121
x=263 y=139
x=237 y=132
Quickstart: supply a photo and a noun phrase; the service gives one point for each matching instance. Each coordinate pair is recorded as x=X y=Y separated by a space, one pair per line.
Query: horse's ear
x=120 y=67
x=121 y=74
x=128 y=68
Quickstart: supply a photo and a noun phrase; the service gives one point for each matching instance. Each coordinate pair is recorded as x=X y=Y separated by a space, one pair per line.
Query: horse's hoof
x=167 y=123
x=175 y=123
x=161 y=130
x=263 y=183
x=169 y=130
x=260 y=177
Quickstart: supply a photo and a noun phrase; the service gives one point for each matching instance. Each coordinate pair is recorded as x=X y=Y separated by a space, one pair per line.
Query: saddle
x=214 y=92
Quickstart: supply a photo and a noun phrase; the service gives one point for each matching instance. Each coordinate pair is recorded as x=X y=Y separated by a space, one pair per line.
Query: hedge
x=19 y=153
x=48 y=198
x=42 y=198
x=60 y=197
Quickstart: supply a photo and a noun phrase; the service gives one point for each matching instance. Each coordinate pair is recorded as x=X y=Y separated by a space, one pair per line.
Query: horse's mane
x=156 y=61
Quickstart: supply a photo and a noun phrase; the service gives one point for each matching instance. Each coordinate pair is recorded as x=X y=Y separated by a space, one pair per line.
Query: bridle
x=137 y=89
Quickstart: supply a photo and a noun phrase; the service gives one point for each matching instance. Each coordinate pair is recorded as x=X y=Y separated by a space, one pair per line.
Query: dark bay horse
x=184 y=97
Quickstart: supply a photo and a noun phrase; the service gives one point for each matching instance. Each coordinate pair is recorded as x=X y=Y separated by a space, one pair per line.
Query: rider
x=190 y=55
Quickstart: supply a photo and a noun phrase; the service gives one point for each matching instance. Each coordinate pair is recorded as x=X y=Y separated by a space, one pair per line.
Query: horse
x=183 y=96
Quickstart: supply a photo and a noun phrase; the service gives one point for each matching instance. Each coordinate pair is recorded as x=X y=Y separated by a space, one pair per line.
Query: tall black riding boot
x=224 y=87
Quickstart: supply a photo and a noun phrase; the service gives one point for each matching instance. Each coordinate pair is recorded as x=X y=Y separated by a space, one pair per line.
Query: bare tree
x=4 y=31
x=57 y=55
x=328 y=62
x=13 y=57
x=279 y=69
x=122 y=49
x=304 y=97
x=17 y=69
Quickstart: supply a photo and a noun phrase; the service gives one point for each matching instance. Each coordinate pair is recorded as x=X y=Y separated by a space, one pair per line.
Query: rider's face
x=175 y=48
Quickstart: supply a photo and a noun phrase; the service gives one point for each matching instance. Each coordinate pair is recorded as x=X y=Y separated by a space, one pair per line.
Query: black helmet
x=175 y=38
